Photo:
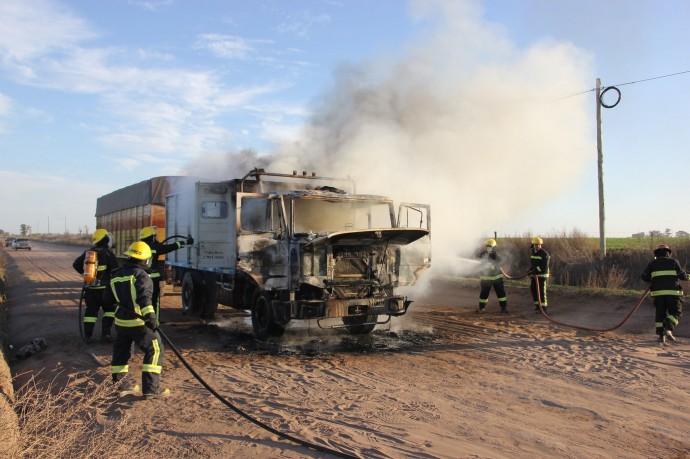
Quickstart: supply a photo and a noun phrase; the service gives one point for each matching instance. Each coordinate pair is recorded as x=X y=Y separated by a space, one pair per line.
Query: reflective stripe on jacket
x=664 y=274
x=540 y=263
x=131 y=289
x=490 y=266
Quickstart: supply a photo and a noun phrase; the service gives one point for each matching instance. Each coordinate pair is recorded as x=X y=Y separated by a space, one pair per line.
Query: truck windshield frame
x=324 y=216
x=261 y=214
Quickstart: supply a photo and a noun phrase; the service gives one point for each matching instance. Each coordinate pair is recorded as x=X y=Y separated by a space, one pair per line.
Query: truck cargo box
x=126 y=211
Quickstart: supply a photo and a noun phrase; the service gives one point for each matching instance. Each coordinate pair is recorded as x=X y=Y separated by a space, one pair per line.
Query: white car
x=21 y=243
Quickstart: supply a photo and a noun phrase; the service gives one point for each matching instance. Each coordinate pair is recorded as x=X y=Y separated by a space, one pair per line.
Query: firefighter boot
x=124 y=385
x=126 y=388
x=88 y=332
x=158 y=393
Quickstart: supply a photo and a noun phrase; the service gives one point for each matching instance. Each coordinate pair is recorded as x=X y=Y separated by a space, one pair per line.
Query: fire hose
x=229 y=404
x=579 y=327
x=175 y=236
x=514 y=278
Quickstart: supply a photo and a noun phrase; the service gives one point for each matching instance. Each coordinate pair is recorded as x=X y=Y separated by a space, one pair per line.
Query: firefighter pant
x=669 y=308
x=150 y=343
x=497 y=284
x=539 y=293
x=93 y=298
x=156 y=296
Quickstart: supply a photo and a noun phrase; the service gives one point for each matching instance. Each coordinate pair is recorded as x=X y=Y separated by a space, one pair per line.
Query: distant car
x=21 y=243
x=9 y=241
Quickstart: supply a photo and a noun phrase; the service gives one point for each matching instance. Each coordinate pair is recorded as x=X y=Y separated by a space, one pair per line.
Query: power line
x=653 y=78
x=623 y=84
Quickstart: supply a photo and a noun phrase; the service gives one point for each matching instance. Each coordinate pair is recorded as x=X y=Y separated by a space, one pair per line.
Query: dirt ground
x=440 y=382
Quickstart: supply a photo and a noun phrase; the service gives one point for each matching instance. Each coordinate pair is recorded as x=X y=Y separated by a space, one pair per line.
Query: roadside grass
x=576 y=260
x=80 y=419
x=69 y=239
x=3 y=273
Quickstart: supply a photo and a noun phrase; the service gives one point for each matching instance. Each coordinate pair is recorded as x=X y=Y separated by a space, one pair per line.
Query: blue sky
x=481 y=108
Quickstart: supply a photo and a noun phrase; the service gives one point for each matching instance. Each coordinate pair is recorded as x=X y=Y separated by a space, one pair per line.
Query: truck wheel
x=360 y=325
x=190 y=295
x=263 y=321
x=209 y=297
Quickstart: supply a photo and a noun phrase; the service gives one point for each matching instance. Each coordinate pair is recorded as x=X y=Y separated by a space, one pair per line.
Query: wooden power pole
x=600 y=168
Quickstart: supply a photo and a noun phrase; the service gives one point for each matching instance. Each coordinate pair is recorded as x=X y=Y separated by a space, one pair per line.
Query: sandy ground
x=441 y=382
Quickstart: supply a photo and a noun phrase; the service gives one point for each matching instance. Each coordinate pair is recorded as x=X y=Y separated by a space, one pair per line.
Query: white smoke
x=463 y=119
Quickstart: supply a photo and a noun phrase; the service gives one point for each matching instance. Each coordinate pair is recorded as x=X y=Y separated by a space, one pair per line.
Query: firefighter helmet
x=99 y=234
x=537 y=240
x=491 y=242
x=662 y=250
x=147 y=232
x=139 y=251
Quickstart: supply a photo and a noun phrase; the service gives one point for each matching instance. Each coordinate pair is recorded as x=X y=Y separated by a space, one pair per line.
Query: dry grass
x=80 y=419
x=575 y=260
x=69 y=239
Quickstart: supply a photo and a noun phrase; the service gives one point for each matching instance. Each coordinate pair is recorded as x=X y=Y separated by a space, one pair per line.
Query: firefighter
x=663 y=273
x=539 y=273
x=93 y=292
x=491 y=277
x=148 y=235
x=131 y=290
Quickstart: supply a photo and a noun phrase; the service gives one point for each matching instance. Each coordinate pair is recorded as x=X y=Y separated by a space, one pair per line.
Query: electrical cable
x=624 y=84
x=607 y=89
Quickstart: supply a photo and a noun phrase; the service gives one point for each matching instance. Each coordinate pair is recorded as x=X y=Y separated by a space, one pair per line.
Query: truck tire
x=209 y=296
x=199 y=295
x=360 y=325
x=190 y=295
x=263 y=320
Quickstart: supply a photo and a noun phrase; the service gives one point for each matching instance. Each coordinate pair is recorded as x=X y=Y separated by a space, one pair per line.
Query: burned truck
x=296 y=247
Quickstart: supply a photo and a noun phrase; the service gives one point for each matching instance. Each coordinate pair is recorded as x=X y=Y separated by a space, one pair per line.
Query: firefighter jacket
x=158 y=249
x=107 y=263
x=540 y=263
x=131 y=290
x=664 y=274
x=491 y=266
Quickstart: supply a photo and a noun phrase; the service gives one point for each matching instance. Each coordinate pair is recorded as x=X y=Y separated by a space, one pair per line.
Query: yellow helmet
x=491 y=242
x=147 y=232
x=537 y=240
x=139 y=250
x=99 y=234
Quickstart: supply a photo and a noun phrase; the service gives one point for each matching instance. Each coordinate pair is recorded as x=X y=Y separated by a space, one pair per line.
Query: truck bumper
x=317 y=309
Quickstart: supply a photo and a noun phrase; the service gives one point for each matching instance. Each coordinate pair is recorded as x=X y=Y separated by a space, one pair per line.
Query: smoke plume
x=462 y=119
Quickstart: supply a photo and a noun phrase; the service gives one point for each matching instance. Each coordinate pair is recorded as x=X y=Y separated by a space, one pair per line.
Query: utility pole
x=600 y=169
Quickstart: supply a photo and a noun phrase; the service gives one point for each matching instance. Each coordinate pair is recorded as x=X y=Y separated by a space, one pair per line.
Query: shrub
x=575 y=259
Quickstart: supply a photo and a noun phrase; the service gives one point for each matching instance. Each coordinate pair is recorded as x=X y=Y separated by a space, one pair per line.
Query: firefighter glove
x=151 y=322
x=190 y=239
